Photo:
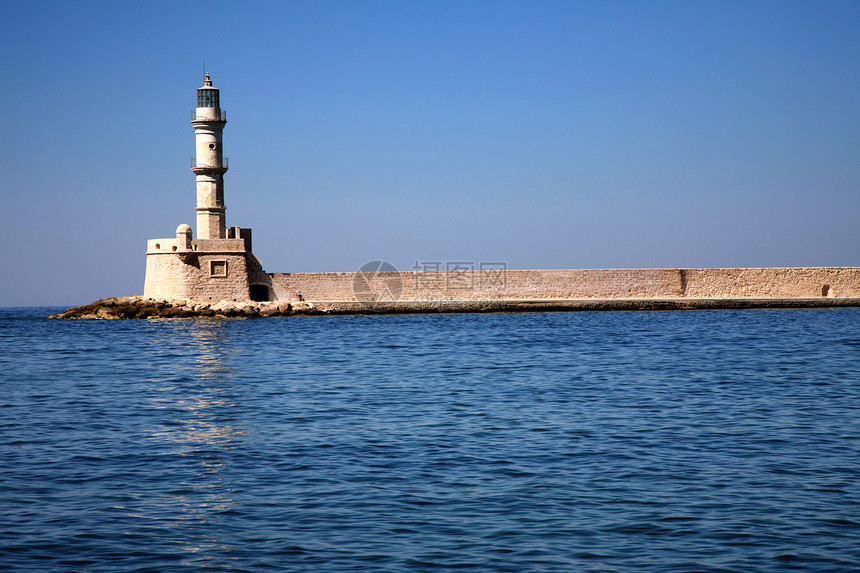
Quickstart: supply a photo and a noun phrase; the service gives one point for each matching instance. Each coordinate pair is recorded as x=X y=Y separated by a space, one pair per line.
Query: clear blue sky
x=542 y=134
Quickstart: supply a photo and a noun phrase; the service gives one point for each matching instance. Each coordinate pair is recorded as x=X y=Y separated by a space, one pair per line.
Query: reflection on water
x=200 y=390
x=200 y=426
x=214 y=349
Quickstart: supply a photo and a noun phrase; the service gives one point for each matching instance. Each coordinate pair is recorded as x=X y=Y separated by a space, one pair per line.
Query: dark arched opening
x=259 y=293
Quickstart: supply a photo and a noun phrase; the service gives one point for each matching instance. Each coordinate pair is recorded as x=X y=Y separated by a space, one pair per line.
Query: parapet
x=183 y=244
x=240 y=233
x=158 y=246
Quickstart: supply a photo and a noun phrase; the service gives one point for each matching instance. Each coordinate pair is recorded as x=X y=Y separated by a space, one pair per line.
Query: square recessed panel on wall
x=217 y=268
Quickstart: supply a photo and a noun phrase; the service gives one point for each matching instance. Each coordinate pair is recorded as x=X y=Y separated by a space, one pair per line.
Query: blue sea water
x=634 y=441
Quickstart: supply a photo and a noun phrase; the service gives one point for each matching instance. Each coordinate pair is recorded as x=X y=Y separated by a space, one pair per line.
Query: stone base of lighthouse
x=205 y=269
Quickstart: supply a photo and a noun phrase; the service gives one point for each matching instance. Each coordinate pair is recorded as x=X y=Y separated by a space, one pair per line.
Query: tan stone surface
x=589 y=284
x=170 y=276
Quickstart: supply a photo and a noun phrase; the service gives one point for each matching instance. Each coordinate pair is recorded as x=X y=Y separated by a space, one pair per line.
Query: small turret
x=183 y=238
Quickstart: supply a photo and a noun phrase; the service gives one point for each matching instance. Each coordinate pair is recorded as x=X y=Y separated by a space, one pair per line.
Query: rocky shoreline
x=138 y=307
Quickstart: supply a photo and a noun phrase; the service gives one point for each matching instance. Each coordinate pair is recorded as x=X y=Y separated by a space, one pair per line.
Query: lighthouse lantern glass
x=207 y=98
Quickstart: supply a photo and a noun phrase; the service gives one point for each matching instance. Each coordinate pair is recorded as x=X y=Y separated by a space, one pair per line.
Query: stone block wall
x=197 y=276
x=811 y=282
x=204 y=270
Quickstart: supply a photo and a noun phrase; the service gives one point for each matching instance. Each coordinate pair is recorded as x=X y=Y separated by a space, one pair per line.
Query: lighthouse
x=218 y=264
x=209 y=164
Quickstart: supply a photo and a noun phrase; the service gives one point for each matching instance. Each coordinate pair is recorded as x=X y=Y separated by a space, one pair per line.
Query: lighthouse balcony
x=208 y=114
x=200 y=165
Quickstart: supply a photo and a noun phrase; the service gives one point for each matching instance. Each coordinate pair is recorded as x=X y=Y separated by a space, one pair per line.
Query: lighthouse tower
x=209 y=165
x=218 y=264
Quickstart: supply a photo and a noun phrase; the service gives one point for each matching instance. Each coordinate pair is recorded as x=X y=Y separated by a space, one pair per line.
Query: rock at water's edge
x=139 y=307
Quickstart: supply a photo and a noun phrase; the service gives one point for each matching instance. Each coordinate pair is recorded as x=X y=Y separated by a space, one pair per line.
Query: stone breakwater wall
x=586 y=284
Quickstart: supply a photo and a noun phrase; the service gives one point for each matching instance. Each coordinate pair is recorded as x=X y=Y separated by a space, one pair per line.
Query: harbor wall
x=585 y=284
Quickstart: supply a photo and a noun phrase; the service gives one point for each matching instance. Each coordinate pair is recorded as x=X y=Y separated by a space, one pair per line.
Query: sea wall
x=587 y=284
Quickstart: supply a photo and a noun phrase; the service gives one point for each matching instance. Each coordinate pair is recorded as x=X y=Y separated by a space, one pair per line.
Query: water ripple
x=683 y=441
